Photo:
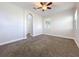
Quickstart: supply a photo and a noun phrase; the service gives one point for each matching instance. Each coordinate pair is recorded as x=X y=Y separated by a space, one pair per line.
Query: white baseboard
x=36 y=35
x=11 y=41
x=61 y=36
x=77 y=43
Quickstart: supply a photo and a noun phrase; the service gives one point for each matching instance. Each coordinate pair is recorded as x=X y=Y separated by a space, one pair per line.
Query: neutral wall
x=60 y=24
x=13 y=23
x=77 y=26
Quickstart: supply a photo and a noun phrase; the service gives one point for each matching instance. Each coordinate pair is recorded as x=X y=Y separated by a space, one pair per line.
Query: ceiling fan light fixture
x=44 y=5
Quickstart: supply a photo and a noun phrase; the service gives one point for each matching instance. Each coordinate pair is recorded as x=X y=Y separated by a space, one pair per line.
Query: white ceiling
x=59 y=7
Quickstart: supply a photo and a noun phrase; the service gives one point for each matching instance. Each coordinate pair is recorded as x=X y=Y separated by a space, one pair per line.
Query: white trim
x=11 y=41
x=77 y=40
x=61 y=36
x=36 y=35
x=77 y=43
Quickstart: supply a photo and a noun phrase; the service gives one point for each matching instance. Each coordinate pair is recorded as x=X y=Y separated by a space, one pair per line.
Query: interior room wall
x=13 y=24
x=77 y=25
x=60 y=24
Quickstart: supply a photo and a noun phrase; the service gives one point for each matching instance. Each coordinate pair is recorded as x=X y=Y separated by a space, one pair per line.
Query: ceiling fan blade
x=49 y=8
x=49 y=3
x=39 y=7
x=41 y=3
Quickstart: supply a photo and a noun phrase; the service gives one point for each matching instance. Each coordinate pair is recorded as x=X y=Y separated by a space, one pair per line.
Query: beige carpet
x=41 y=46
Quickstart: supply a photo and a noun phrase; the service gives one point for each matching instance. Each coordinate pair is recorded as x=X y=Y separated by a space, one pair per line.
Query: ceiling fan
x=44 y=5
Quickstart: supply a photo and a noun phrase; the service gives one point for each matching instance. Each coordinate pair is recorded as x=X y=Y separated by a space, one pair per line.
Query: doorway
x=30 y=24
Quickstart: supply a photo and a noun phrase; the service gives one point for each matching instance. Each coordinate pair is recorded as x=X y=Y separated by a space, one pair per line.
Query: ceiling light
x=43 y=5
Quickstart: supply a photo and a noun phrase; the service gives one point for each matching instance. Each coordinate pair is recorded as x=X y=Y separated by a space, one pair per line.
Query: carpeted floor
x=41 y=46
